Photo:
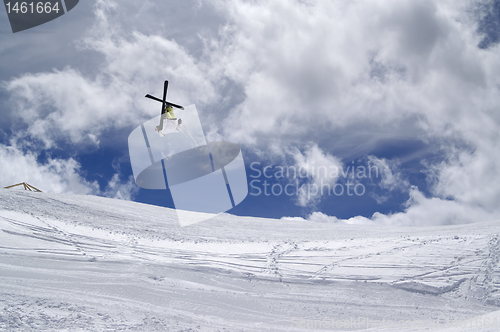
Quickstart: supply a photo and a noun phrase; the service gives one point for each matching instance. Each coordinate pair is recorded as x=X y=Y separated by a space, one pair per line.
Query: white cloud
x=75 y=107
x=391 y=178
x=322 y=69
x=435 y=211
x=55 y=175
x=64 y=104
x=420 y=211
x=322 y=169
x=471 y=177
x=117 y=189
x=323 y=218
x=370 y=64
x=69 y=104
x=343 y=73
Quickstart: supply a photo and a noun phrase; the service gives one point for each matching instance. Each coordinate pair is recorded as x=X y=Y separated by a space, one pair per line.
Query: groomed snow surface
x=75 y=263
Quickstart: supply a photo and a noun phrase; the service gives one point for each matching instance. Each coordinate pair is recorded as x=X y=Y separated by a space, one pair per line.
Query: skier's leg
x=162 y=118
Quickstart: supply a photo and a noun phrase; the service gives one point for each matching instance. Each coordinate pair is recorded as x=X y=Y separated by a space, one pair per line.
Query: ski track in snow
x=85 y=263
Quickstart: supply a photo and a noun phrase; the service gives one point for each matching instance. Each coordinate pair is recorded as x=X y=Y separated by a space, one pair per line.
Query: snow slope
x=71 y=263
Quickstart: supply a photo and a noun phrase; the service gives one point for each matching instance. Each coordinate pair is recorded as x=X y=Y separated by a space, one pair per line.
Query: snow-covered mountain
x=72 y=263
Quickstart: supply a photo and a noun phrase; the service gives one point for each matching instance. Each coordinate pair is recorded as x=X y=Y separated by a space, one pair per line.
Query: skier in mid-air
x=167 y=114
x=173 y=124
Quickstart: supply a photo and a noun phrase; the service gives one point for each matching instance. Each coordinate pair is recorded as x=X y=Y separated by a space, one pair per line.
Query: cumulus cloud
x=368 y=63
x=119 y=190
x=470 y=176
x=350 y=75
x=391 y=178
x=323 y=218
x=56 y=175
x=320 y=169
x=331 y=68
x=419 y=211
x=75 y=107
x=70 y=104
x=422 y=211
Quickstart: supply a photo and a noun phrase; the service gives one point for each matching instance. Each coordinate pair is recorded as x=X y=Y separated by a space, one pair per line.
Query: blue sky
x=408 y=87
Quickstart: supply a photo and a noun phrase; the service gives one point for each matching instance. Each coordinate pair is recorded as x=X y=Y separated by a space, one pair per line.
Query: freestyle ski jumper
x=167 y=113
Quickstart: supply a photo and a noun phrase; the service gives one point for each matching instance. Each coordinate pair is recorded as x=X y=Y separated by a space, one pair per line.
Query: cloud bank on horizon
x=309 y=83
